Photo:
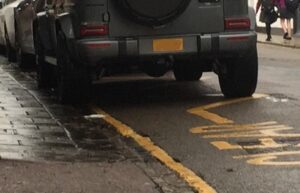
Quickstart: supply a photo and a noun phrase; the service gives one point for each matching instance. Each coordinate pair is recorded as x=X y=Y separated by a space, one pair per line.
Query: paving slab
x=277 y=40
x=46 y=147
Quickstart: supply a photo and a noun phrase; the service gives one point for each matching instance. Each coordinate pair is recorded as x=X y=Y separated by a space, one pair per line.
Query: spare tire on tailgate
x=153 y=12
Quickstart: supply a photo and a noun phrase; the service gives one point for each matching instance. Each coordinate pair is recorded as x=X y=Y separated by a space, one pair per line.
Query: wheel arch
x=64 y=22
x=45 y=27
x=64 y=25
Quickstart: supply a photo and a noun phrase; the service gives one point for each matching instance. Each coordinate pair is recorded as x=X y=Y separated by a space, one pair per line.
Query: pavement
x=277 y=39
x=50 y=148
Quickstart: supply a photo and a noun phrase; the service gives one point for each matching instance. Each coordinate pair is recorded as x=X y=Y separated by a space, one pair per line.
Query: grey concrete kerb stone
x=277 y=40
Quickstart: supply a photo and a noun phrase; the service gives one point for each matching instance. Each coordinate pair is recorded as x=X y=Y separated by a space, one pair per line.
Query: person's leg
x=289 y=27
x=268 y=31
x=283 y=26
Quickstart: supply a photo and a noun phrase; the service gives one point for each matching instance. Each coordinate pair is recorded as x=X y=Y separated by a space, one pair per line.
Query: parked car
x=16 y=29
x=2 y=48
x=83 y=38
x=5 y=22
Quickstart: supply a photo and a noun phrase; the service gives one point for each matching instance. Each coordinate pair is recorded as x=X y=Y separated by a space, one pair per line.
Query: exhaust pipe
x=158 y=67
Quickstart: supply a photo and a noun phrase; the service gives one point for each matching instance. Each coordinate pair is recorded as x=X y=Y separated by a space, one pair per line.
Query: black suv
x=91 y=38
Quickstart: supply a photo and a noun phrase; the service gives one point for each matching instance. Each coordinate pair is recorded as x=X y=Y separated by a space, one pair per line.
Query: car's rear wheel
x=73 y=78
x=2 y=49
x=10 y=52
x=238 y=76
x=24 y=60
x=186 y=71
x=44 y=70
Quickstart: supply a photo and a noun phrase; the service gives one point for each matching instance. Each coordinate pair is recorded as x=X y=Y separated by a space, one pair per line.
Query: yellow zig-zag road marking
x=232 y=101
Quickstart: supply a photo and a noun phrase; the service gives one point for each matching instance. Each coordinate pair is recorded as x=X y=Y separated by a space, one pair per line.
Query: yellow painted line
x=267 y=133
x=231 y=127
x=240 y=129
x=211 y=117
x=188 y=175
x=266 y=143
x=199 y=130
x=275 y=133
x=269 y=159
x=202 y=111
x=223 y=145
x=268 y=154
x=232 y=101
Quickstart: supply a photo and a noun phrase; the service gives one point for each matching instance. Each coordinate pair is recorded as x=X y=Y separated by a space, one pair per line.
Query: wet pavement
x=34 y=127
x=48 y=147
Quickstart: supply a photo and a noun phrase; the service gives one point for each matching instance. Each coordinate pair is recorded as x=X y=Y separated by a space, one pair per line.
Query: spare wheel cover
x=153 y=12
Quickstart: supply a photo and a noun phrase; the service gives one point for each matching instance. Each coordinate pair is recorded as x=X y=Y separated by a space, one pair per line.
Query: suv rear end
x=186 y=36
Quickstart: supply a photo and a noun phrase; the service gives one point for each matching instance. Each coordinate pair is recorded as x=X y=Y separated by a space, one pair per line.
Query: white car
x=16 y=34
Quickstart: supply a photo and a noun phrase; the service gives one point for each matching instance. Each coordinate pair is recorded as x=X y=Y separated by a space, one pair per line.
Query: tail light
x=237 y=23
x=94 y=30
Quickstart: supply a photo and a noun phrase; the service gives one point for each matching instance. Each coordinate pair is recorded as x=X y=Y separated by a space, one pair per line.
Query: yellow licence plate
x=168 y=45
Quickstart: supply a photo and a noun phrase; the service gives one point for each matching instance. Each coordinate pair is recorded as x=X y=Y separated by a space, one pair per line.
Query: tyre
x=24 y=60
x=185 y=71
x=238 y=76
x=73 y=79
x=157 y=68
x=9 y=51
x=45 y=75
x=2 y=49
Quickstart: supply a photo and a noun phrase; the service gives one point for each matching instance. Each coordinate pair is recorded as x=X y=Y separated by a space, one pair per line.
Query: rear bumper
x=93 y=51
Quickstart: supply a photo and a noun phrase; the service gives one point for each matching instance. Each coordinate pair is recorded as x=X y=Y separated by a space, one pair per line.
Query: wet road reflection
x=149 y=91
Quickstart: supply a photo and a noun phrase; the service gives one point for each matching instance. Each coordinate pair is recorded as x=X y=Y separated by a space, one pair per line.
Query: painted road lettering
x=246 y=131
x=265 y=134
x=264 y=143
x=271 y=159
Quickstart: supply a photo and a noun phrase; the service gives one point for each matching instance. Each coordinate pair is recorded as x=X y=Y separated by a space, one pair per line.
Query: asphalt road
x=241 y=146
x=246 y=145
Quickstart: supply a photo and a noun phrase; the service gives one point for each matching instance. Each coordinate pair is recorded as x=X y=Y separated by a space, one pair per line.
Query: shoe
x=285 y=35
x=288 y=38
x=268 y=39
